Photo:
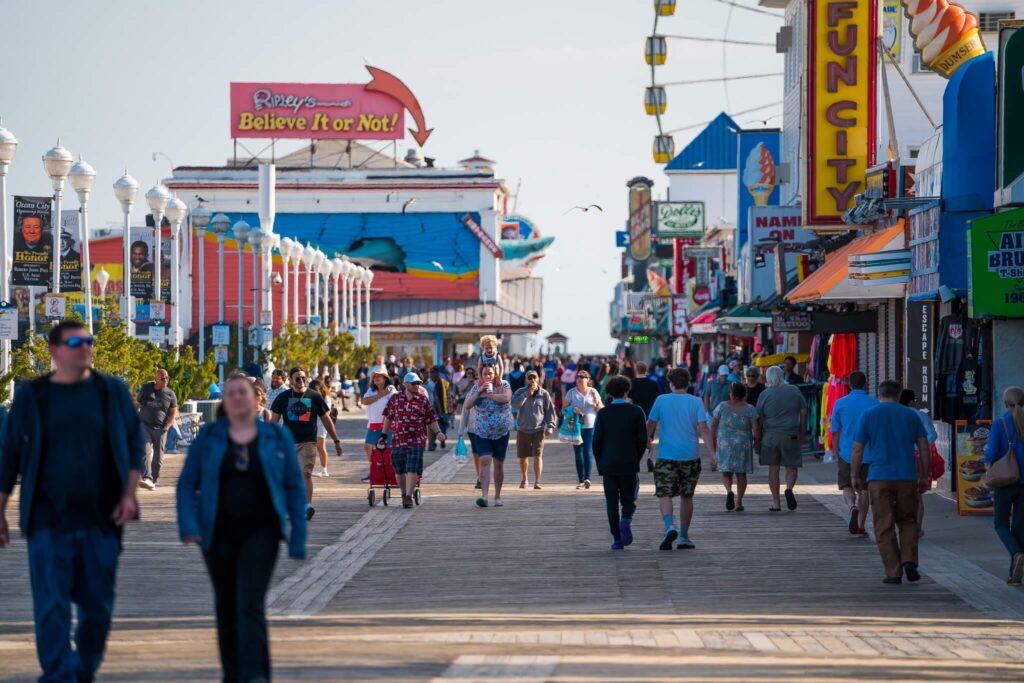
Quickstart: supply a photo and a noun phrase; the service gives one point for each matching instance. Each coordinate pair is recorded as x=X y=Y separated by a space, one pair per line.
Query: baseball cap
x=753 y=371
x=412 y=378
x=723 y=370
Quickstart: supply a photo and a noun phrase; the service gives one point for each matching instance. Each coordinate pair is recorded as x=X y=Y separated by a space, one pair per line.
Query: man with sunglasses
x=158 y=409
x=77 y=493
x=300 y=408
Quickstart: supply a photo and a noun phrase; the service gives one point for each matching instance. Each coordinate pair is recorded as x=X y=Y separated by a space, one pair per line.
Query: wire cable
x=750 y=9
x=723 y=78
x=704 y=39
x=733 y=115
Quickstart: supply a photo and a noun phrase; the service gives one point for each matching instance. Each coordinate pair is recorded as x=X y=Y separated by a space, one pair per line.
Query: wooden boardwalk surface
x=531 y=592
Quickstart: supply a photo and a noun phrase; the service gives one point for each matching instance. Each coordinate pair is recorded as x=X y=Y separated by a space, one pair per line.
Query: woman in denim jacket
x=240 y=493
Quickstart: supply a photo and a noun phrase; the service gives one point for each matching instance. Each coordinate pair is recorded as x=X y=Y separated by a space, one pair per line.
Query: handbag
x=1005 y=471
x=938 y=464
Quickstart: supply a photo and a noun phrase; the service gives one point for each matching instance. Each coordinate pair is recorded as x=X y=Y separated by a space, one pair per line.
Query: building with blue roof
x=705 y=170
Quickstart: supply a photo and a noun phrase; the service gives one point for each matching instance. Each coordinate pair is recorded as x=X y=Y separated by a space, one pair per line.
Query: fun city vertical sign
x=841 y=67
x=327 y=111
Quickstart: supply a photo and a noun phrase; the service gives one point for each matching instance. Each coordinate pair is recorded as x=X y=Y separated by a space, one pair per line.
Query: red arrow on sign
x=389 y=84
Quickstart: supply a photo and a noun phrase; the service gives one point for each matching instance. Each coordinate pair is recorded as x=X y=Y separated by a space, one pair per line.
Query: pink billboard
x=321 y=111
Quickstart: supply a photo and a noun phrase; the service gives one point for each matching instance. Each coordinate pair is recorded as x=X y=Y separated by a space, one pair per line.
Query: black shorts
x=844 y=475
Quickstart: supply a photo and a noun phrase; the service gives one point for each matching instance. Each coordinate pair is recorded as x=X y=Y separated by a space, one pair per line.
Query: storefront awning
x=743 y=315
x=831 y=282
x=704 y=323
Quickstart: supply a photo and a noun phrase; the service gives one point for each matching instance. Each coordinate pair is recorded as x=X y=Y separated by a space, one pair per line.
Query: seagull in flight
x=437 y=265
x=584 y=209
x=408 y=203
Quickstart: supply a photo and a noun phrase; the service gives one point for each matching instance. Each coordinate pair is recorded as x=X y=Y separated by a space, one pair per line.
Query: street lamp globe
x=8 y=144
x=296 y=251
x=102 y=278
x=125 y=189
x=157 y=198
x=309 y=255
x=367 y=276
x=221 y=224
x=200 y=217
x=57 y=163
x=176 y=211
x=82 y=176
x=257 y=237
x=241 y=232
x=339 y=268
x=285 y=246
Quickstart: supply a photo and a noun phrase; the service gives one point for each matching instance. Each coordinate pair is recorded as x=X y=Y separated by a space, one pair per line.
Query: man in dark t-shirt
x=753 y=384
x=301 y=408
x=158 y=409
x=644 y=389
x=74 y=440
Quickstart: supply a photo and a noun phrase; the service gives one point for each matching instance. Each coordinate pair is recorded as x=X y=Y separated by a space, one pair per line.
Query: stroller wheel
x=387 y=496
x=416 y=496
x=371 y=497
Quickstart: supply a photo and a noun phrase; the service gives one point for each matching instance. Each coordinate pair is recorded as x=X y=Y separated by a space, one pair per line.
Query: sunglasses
x=299 y=378
x=77 y=342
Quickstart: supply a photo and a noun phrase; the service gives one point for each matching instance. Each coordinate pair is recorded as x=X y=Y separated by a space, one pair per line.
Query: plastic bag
x=570 y=432
x=460 y=451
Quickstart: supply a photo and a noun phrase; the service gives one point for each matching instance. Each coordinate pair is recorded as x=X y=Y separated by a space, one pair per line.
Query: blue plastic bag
x=460 y=451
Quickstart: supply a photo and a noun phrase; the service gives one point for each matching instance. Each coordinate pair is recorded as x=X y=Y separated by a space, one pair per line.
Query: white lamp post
x=308 y=257
x=82 y=177
x=368 y=279
x=201 y=219
x=346 y=292
x=327 y=268
x=257 y=239
x=8 y=146
x=221 y=225
x=241 y=232
x=357 y=281
x=296 y=253
x=340 y=271
x=157 y=198
x=125 y=189
x=318 y=259
x=176 y=212
x=286 y=255
x=57 y=163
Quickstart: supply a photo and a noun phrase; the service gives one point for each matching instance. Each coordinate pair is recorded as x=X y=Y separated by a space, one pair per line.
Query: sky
x=550 y=89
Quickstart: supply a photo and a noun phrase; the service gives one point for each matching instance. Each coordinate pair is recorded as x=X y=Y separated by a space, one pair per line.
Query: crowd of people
x=247 y=481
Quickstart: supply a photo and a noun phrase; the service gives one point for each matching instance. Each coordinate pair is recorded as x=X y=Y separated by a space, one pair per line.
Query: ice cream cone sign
x=759 y=174
x=945 y=34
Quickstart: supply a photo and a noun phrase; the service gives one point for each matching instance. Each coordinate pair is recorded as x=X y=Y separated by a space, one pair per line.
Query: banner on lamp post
x=33 y=242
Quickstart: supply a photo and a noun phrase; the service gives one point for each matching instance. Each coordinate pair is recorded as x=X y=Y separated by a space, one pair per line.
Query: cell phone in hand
x=650 y=465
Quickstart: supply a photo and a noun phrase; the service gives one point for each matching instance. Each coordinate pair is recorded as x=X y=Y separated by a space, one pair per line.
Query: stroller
x=382 y=476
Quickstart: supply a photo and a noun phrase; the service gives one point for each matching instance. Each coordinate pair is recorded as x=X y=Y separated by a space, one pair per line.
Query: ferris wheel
x=656 y=54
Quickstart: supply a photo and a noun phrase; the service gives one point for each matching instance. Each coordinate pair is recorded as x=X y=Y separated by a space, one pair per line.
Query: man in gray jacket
x=535 y=419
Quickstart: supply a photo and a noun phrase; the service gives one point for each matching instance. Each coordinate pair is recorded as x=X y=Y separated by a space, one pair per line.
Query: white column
x=126 y=276
x=284 y=283
x=202 y=291
x=357 y=300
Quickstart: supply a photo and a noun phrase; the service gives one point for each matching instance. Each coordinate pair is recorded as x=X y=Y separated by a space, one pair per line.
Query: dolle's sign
x=325 y=111
x=841 y=106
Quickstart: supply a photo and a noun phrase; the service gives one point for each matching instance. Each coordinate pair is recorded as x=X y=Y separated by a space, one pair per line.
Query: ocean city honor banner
x=758 y=151
x=141 y=261
x=33 y=242
x=640 y=218
x=995 y=246
x=679 y=220
x=70 y=252
x=840 y=142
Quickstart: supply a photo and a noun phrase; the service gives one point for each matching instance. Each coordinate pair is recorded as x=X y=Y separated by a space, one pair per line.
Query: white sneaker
x=318 y=471
x=147 y=484
x=325 y=473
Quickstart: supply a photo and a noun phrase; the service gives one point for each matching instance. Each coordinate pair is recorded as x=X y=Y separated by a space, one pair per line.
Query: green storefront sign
x=995 y=249
x=678 y=220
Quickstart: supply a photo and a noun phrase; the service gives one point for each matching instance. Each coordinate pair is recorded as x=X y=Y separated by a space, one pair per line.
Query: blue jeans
x=1008 y=517
x=65 y=567
x=584 y=454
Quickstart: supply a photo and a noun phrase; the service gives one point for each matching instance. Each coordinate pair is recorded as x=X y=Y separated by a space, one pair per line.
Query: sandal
x=522 y=484
x=537 y=487
x=739 y=508
x=775 y=509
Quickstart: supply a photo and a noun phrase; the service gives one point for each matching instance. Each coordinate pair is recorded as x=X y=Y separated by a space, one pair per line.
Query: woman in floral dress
x=734 y=428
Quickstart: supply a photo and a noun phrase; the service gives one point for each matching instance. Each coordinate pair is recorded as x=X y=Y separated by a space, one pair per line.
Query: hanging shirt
x=951 y=345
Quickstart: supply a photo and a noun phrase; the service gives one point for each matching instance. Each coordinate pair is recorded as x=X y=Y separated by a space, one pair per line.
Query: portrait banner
x=33 y=242
x=70 y=252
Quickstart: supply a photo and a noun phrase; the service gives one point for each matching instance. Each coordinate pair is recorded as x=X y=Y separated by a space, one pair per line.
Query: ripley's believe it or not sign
x=841 y=106
x=321 y=111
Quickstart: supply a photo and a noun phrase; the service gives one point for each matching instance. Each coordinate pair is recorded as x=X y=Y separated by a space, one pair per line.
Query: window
x=917 y=66
x=989 y=21
x=914 y=151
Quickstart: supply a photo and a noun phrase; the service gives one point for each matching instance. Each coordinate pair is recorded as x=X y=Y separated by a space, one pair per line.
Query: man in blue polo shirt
x=845 y=415
x=885 y=438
